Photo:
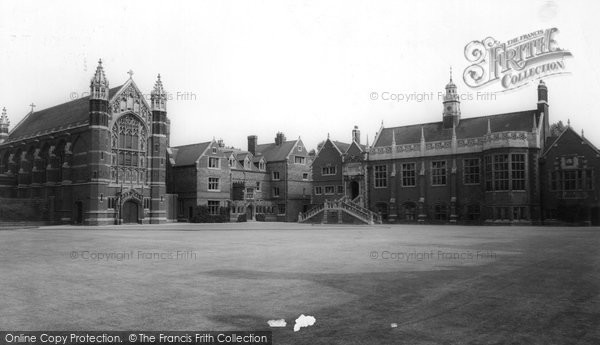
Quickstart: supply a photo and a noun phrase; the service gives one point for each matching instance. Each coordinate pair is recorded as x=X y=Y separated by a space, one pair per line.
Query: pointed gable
x=188 y=154
x=570 y=141
x=355 y=149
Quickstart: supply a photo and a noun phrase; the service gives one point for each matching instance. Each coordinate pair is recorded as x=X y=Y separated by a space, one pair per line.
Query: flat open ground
x=439 y=284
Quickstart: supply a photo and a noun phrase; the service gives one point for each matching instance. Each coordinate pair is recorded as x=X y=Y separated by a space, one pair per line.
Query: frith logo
x=515 y=62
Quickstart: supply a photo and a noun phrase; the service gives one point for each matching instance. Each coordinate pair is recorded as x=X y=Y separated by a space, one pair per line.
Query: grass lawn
x=439 y=284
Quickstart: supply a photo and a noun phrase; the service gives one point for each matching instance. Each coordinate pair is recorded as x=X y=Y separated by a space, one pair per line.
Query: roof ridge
x=462 y=119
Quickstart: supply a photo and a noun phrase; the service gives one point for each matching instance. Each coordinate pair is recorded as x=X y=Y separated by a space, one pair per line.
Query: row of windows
x=503 y=172
x=276 y=176
x=473 y=212
x=329 y=190
x=112 y=201
x=327 y=171
x=572 y=180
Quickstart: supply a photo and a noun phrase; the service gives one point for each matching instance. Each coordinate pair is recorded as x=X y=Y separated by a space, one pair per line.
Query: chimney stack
x=279 y=138
x=252 y=139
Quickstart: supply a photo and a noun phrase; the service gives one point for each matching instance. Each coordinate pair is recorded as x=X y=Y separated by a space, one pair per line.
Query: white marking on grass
x=277 y=323
x=304 y=321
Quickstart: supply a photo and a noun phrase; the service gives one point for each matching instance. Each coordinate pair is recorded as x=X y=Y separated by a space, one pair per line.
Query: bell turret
x=451 y=113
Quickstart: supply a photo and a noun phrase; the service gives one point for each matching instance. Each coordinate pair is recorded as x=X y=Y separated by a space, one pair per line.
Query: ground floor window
x=473 y=212
x=281 y=209
x=213 y=207
x=410 y=211
x=440 y=212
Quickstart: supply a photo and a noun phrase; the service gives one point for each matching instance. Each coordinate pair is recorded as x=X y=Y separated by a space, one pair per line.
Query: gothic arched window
x=128 y=137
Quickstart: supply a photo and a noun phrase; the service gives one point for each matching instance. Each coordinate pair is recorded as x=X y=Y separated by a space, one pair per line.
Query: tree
x=557 y=128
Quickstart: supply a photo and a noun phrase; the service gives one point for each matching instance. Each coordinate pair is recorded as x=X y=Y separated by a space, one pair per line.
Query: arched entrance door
x=78 y=212
x=129 y=212
x=354 y=190
x=249 y=211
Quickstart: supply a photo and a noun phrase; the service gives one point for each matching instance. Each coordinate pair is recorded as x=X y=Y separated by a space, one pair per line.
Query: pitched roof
x=467 y=128
x=55 y=118
x=555 y=139
x=273 y=152
x=343 y=147
x=189 y=154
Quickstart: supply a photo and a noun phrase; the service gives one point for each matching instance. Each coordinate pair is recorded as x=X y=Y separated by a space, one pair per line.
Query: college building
x=269 y=180
x=502 y=168
x=96 y=160
x=106 y=159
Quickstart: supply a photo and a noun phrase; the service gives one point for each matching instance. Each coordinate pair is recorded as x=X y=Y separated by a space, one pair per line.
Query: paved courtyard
x=438 y=284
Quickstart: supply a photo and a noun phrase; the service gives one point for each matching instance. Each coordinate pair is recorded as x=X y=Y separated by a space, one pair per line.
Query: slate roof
x=555 y=139
x=467 y=128
x=341 y=145
x=55 y=118
x=273 y=152
x=188 y=154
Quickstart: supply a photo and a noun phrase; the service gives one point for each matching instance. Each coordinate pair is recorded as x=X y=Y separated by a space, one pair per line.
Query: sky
x=306 y=68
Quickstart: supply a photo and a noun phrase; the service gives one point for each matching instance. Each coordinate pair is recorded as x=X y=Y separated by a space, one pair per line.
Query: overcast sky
x=307 y=68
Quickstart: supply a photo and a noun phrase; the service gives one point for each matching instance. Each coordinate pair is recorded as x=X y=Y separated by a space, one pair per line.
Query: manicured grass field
x=439 y=284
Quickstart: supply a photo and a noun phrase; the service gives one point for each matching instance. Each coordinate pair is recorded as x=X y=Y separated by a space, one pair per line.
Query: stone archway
x=130 y=212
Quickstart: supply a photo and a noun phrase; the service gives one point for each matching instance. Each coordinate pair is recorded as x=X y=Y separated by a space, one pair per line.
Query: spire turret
x=158 y=96
x=99 y=84
x=4 y=123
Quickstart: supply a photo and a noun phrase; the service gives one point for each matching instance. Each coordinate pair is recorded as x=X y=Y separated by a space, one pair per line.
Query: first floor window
x=305 y=176
x=275 y=191
x=329 y=190
x=518 y=171
x=275 y=175
x=409 y=175
x=471 y=170
x=340 y=189
x=299 y=160
x=213 y=207
x=318 y=190
x=380 y=176
x=572 y=180
x=213 y=183
x=501 y=172
x=328 y=171
x=438 y=173
x=213 y=162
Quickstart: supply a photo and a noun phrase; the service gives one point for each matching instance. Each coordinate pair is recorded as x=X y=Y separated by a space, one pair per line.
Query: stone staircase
x=341 y=206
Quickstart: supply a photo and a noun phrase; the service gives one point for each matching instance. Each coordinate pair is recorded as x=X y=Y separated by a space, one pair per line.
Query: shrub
x=203 y=215
x=260 y=217
x=242 y=218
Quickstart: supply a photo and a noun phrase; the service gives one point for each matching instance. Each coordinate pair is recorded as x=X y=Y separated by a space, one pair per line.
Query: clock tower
x=451 y=105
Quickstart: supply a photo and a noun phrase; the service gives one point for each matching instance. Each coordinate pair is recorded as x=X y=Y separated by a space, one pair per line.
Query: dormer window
x=247 y=164
x=231 y=162
x=214 y=150
x=261 y=165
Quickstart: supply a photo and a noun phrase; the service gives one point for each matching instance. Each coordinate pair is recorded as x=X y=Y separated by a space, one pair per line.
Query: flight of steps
x=338 y=208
